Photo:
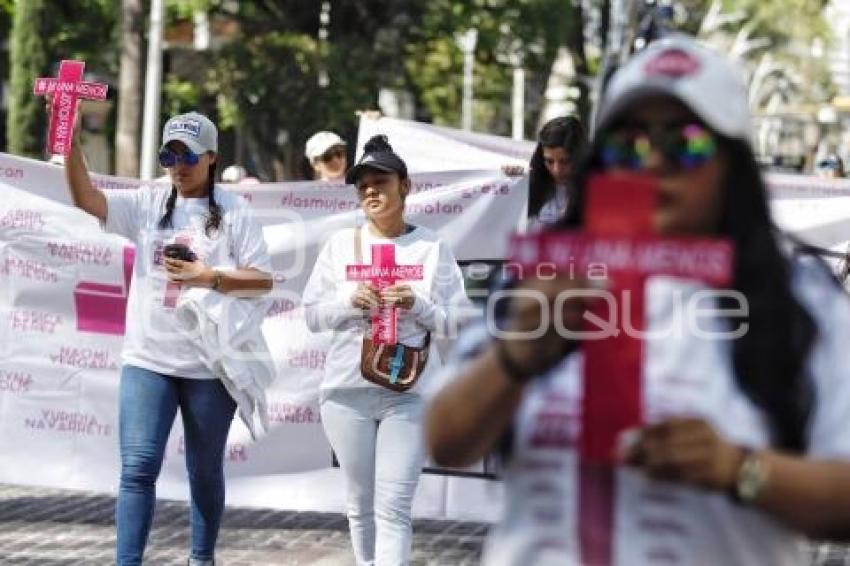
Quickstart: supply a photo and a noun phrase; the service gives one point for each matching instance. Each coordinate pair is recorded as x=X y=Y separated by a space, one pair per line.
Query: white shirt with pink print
x=153 y=339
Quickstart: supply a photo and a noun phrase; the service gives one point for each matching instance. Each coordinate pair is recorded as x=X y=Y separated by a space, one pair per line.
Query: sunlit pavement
x=54 y=527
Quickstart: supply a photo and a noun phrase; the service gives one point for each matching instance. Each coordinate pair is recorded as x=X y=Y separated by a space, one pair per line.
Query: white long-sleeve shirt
x=327 y=300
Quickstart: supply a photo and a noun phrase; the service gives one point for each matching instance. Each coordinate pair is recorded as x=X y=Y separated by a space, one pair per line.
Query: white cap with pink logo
x=680 y=67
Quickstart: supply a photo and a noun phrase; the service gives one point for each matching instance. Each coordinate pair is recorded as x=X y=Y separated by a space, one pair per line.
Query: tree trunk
x=605 y=24
x=127 y=134
x=575 y=43
x=28 y=55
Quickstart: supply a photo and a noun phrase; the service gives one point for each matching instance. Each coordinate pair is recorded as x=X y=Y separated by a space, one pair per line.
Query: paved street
x=50 y=527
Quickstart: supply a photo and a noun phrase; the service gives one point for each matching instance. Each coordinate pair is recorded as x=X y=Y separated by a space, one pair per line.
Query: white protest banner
x=62 y=280
x=815 y=210
x=64 y=290
x=425 y=147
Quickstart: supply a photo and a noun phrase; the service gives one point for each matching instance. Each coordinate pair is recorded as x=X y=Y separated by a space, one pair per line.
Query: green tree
x=127 y=142
x=531 y=30
x=764 y=35
x=42 y=34
x=29 y=56
x=6 y=10
x=267 y=81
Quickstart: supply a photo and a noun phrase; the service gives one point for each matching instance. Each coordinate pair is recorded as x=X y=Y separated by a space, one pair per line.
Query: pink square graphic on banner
x=101 y=307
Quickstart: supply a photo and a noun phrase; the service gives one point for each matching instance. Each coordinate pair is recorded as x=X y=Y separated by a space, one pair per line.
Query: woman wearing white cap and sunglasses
x=371 y=396
x=746 y=441
x=327 y=156
x=180 y=233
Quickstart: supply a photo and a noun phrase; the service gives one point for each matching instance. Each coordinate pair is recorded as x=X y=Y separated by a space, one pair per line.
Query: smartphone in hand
x=179 y=251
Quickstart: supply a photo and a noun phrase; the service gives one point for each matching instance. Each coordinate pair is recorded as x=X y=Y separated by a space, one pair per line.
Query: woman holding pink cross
x=188 y=235
x=741 y=445
x=370 y=396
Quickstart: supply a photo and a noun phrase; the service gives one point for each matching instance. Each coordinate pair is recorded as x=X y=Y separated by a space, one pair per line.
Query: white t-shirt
x=327 y=300
x=553 y=209
x=656 y=522
x=152 y=339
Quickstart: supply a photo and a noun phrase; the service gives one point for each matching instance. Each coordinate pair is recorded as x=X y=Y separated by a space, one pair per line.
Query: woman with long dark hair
x=745 y=445
x=190 y=234
x=559 y=146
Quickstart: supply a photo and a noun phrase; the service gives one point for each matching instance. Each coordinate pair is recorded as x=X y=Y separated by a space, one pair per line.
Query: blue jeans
x=148 y=405
x=377 y=437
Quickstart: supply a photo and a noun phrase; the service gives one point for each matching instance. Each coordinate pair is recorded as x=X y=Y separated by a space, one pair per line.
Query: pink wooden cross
x=618 y=234
x=67 y=90
x=384 y=272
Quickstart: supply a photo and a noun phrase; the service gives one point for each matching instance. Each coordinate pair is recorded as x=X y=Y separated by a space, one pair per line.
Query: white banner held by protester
x=64 y=291
x=63 y=281
x=425 y=147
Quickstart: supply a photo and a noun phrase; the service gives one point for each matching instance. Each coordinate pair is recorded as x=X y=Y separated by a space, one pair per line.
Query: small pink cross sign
x=67 y=91
x=384 y=272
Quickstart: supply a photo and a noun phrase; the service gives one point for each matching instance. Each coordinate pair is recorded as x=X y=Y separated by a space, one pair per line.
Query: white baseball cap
x=321 y=142
x=193 y=129
x=233 y=174
x=679 y=66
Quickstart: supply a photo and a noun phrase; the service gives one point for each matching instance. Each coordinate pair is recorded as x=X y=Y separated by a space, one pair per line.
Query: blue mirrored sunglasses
x=169 y=158
x=827 y=164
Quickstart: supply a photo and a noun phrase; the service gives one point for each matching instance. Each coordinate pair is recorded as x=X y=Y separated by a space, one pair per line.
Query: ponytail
x=213 y=222
x=214 y=218
x=165 y=221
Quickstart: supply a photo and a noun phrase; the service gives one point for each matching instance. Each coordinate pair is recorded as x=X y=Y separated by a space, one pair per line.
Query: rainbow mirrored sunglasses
x=169 y=158
x=685 y=147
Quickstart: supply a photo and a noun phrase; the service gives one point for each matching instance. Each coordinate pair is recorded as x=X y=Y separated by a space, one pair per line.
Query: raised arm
x=83 y=192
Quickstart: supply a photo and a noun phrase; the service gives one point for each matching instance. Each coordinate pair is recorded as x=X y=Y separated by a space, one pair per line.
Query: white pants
x=377 y=437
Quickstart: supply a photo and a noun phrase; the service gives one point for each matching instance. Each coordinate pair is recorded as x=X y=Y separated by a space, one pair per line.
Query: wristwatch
x=216 y=282
x=752 y=478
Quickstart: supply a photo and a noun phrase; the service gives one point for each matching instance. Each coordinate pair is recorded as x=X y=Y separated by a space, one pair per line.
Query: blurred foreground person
x=747 y=439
